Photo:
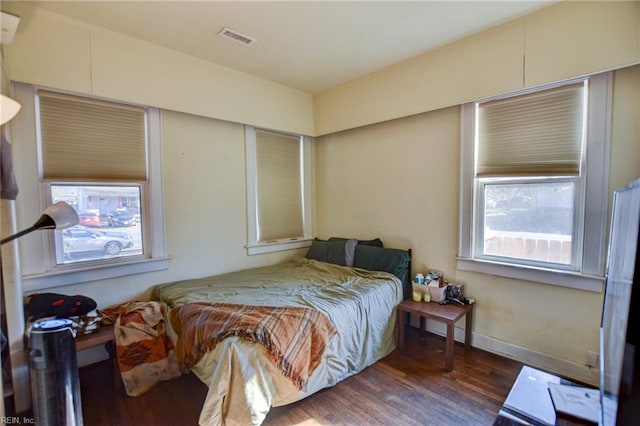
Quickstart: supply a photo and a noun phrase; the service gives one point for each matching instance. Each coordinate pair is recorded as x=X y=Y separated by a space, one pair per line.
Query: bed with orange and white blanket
x=352 y=311
x=293 y=338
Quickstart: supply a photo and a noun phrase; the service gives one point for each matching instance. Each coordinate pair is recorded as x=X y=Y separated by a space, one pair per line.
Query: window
x=528 y=221
x=103 y=158
x=534 y=184
x=278 y=191
x=110 y=225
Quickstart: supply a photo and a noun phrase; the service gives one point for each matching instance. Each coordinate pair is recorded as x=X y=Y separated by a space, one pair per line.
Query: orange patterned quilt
x=294 y=338
x=144 y=352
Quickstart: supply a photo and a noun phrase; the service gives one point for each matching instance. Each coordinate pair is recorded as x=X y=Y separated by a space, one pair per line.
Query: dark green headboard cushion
x=394 y=261
x=376 y=242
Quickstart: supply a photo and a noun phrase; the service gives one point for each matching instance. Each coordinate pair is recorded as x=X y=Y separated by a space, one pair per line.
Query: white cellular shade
x=532 y=134
x=88 y=139
x=279 y=186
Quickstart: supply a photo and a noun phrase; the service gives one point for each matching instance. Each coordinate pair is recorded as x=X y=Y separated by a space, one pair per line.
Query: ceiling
x=307 y=45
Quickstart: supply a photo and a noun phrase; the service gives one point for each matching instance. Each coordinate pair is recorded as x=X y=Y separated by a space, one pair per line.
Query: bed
x=354 y=286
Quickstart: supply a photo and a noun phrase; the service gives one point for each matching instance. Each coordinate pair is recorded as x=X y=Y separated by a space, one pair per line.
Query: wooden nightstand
x=449 y=314
x=103 y=336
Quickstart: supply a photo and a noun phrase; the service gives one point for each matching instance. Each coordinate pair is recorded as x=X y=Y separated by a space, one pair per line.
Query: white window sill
x=93 y=273
x=541 y=275
x=261 y=248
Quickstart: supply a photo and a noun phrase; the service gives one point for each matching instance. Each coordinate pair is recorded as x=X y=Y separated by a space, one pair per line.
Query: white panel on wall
x=46 y=50
x=488 y=63
x=565 y=40
x=137 y=71
x=577 y=38
x=63 y=53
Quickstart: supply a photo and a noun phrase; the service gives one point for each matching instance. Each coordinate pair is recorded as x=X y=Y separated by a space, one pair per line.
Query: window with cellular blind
x=534 y=183
x=279 y=186
x=104 y=159
x=278 y=191
x=88 y=139
x=529 y=151
x=533 y=134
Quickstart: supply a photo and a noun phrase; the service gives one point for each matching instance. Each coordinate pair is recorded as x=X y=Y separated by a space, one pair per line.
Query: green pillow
x=394 y=261
x=340 y=252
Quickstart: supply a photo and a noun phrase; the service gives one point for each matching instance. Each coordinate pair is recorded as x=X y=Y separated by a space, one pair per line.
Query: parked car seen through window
x=82 y=242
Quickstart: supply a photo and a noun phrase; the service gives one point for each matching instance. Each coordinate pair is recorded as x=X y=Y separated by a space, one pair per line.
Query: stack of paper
x=577 y=401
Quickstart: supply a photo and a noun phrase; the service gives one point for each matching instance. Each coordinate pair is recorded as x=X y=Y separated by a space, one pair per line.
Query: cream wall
x=59 y=52
x=565 y=40
x=625 y=132
x=399 y=180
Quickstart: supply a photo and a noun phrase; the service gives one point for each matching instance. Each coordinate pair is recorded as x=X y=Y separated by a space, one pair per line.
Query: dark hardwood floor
x=405 y=388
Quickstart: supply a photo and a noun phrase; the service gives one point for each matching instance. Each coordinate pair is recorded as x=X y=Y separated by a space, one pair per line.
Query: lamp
x=57 y=216
x=8 y=108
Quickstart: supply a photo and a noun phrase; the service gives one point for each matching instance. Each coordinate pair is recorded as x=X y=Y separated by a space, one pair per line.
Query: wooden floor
x=405 y=388
x=408 y=388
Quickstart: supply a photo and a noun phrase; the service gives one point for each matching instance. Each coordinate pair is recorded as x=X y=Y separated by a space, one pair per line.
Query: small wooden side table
x=449 y=314
x=103 y=336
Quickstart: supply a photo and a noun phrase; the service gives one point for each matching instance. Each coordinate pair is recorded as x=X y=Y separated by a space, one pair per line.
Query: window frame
x=254 y=246
x=37 y=253
x=592 y=198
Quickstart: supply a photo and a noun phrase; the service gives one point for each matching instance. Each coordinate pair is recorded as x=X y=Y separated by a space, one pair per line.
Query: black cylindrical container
x=55 y=386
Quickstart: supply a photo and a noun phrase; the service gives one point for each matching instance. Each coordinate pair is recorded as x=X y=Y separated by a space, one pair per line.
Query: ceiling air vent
x=236 y=36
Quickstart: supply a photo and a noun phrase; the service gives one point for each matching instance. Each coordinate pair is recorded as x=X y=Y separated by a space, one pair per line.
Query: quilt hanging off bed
x=294 y=338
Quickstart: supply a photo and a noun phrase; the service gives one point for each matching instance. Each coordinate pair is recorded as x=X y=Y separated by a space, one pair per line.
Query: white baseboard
x=580 y=373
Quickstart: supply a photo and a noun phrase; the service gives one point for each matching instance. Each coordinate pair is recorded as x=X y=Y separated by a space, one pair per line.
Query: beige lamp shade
x=8 y=108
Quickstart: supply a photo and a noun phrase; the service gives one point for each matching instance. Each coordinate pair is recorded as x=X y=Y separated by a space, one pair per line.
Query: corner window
x=278 y=191
x=103 y=158
x=535 y=167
